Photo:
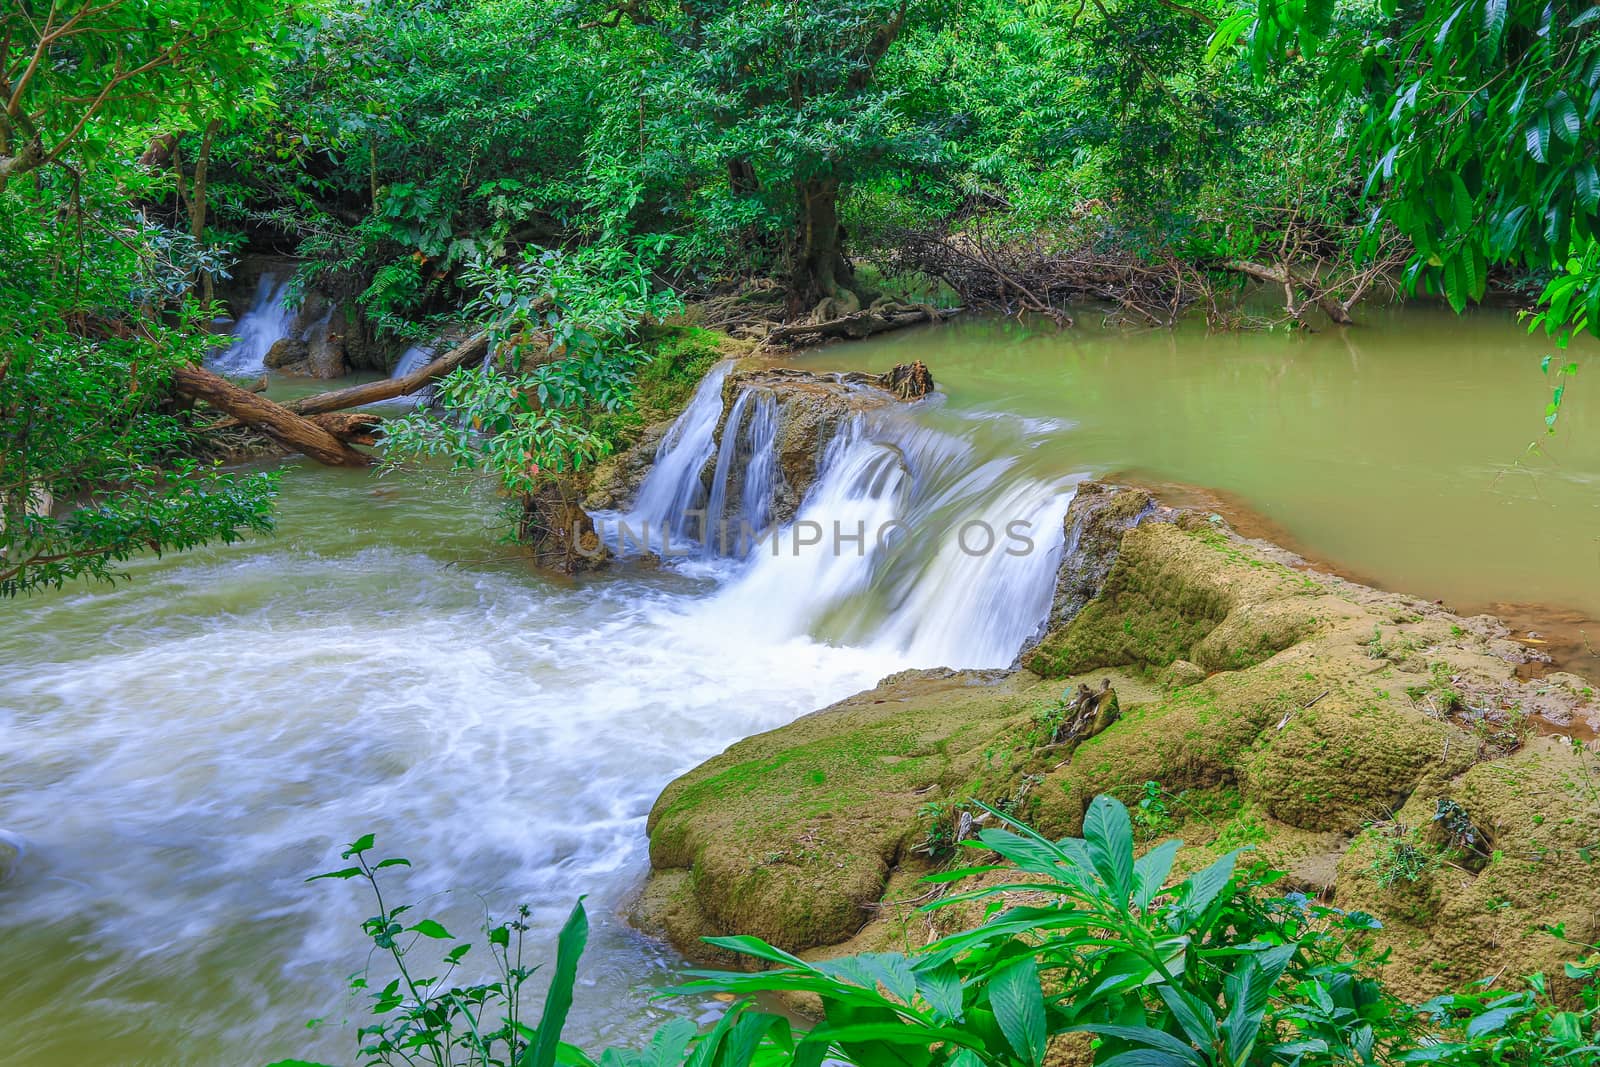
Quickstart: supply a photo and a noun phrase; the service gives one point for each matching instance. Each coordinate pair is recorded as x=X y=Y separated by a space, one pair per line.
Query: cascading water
x=179 y=752
x=673 y=489
x=412 y=360
x=914 y=540
x=264 y=325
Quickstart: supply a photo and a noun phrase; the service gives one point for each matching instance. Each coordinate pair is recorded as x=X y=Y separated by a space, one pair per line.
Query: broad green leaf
x=1143 y=1035
x=1018 y=1003
x=1108 y=833
x=558 y=1000
x=429 y=928
x=1150 y=872
x=941 y=987
x=1144 y=1057
x=1194 y=1015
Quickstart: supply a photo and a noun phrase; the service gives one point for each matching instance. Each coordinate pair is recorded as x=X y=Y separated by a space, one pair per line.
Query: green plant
x=1402 y=856
x=1205 y=972
x=1151 y=817
x=429 y=1018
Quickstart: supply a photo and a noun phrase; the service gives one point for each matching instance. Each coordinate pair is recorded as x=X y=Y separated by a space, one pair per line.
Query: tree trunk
x=822 y=272
x=290 y=430
x=197 y=201
x=742 y=177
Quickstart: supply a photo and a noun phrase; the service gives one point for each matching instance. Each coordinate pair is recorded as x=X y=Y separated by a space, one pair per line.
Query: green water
x=1397 y=450
x=177 y=753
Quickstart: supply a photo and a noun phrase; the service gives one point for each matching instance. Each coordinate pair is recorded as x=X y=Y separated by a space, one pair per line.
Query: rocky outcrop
x=808 y=409
x=811 y=410
x=1322 y=723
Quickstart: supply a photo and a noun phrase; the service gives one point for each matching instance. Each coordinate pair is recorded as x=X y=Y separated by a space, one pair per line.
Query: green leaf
x=1588 y=183
x=1491 y=1021
x=1494 y=25
x=1564 y=117
x=1150 y=872
x=1457 y=286
x=1144 y=1057
x=1537 y=137
x=361 y=844
x=1199 y=1022
x=1108 y=832
x=348 y=872
x=1203 y=886
x=941 y=987
x=1143 y=1035
x=429 y=928
x=1018 y=1003
x=558 y=1001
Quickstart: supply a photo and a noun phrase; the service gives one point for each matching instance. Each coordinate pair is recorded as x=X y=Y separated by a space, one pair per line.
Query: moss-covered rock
x=1180 y=594
x=1539 y=810
x=791 y=834
x=1290 y=712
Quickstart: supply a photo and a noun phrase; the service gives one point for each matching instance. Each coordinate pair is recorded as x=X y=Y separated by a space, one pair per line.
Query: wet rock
x=616 y=480
x=811 y=411
x=10 y=857
x=1095 y=521
x=287 y=352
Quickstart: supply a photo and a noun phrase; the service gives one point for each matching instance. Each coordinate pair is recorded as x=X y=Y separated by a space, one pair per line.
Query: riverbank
x=1323 y=724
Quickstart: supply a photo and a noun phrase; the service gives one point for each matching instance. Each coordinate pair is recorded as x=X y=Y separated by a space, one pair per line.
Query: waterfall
x=412 y=360
x=673 y=487
x=937 y=545
x=264 y=325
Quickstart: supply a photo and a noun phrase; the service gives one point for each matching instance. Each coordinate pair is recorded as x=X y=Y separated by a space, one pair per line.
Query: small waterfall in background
x=264 y=325
x=412 y=360
x=935 y=544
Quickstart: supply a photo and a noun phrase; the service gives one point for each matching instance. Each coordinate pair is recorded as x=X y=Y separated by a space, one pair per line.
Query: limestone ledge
x=1301 y=714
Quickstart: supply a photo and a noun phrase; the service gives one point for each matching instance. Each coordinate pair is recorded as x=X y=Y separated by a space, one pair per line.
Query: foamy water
x=179 y=753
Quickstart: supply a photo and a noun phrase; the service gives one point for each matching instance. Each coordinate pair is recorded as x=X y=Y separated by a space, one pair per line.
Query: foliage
x=427 y=1018
x=94 y=305
x=561 y=332
x=1478 y=128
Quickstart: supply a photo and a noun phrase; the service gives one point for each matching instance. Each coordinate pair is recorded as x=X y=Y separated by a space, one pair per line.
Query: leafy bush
x=1081 y=936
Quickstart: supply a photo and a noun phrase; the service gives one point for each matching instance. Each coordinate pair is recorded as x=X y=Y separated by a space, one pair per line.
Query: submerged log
x=473 y=347
x=289 y=429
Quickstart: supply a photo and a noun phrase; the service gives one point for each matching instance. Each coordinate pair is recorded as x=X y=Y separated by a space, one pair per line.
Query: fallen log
x=351 y=427
x=292 y=431
x=863 y=323
x=371 y=393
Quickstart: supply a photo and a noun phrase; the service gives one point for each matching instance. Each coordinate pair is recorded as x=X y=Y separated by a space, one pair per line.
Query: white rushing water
x=929 y=543
x=177 y=754
x=264 y=325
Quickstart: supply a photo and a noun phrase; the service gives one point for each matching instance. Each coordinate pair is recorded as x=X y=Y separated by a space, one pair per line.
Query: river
x=178 y=753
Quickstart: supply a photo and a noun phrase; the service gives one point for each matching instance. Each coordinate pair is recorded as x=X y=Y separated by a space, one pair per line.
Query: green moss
x=1180 y=595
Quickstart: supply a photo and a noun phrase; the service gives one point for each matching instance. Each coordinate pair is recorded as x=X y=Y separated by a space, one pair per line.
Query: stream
x=178 y=753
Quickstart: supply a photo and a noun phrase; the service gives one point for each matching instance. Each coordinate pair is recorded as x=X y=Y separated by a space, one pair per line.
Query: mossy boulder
x=790 y=834
x=1187 y=594
x=1311 y=711
x=1539 y=811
